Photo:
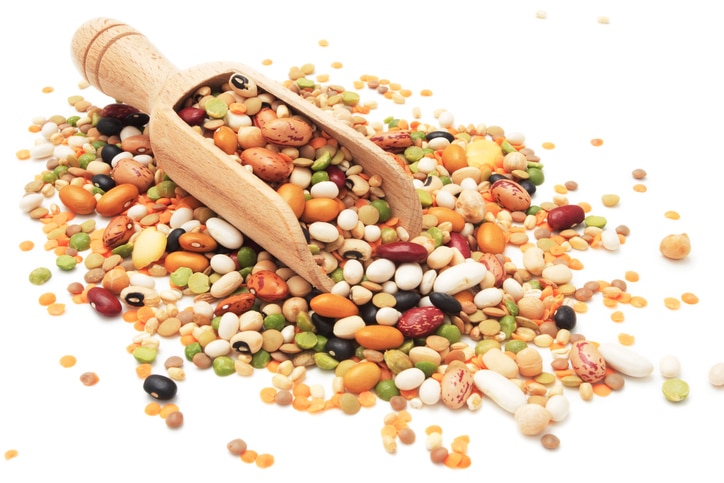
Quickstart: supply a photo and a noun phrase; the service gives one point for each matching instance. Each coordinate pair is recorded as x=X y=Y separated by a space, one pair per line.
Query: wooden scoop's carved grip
x=120 y=62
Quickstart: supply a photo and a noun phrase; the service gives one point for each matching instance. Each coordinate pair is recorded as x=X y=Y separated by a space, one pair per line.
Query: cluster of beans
x=436 y=307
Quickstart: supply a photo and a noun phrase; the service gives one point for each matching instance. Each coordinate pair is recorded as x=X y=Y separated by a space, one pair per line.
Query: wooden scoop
x=122 y=63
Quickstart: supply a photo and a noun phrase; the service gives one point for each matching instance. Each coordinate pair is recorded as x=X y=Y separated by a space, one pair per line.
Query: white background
x=648 y=84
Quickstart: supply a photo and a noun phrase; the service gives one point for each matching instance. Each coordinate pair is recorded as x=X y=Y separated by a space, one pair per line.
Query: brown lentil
x=175 y=419
x=550 y=441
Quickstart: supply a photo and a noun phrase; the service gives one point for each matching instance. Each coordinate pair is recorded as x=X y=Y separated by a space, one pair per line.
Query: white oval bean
x=625 y=360
x=500 y=389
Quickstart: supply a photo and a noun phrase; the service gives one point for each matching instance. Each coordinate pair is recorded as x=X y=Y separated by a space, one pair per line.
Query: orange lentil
x=24 y=153
x=46 y=299
x=187 y=339
x=548 y=145
x=323 y=43
x=388 y=431
x=631 y=276
x=453 y=459
x=145 y=313
x=273 y=366
x=67 y=361
x=152 y=409
x=617 y=316
x=689 y=298
x=56 y=309
x=460 y=444
x=301 y=390
x=596 y=142
x=301 y=403
x=672 y=303
x=672 y=215
x=626 y=339
x=601 y=389
x=610 y=302
x=249 y=456
x=580 y=307
x=167 y=409
x=638 y=301
x=560 y=189
x=26 y=245
x=130 y=315
x=143 y=370
x=264 y=460
x=316 y=405
x=426 y=93
x=625 y=298
x=48 y=89
x=336 y=65
x=433 y=428
x=10 y=454
x=268 y=394
x=266 y=62
x=367 y=399
x=639 y=188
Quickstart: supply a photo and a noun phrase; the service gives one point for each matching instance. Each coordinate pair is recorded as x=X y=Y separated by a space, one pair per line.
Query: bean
x=160 y=387
x=175 y=419
x=550 y=441
x=236 y=446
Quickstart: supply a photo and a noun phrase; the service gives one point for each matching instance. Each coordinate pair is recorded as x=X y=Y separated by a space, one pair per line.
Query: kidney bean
x=566 y=216
x=104 y=301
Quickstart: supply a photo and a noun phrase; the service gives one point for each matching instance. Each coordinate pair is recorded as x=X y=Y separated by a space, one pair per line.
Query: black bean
x=565 y=317
x=446 y=302
x=160 y=387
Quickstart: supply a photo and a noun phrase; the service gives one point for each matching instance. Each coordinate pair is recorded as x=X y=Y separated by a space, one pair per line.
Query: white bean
x=500 y=389
x=625 y=360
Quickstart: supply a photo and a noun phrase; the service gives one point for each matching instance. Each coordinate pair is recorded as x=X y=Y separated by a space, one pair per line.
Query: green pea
x=407 y=345
x=515 y=346
x=535 y=175
x=512 y=307
x=507 y=147
x=384 y=208
x=319 y=176
x=49 y=177
x=246 y=257
x=427 y=367
x=386 y=389
x=223 y=366
x=215 y=323
x=305 y=83
x=145 y=355
x=192 y=349
x=508 y=325
x=388 y=235
x=325 y=361
x=198 y=283
x=425 y=197
x=485 y=345
x=322 y=162
x=60 y=170
x=675 y=390
x=39 y=276
x=88 y=226
x=304 y=322
x=350 y=98
x=321 y=343
x=305 y=340
x=445 y=180
x=85 y=158
x=450 y=332
x=73 y=120
x=485 y=173
x=216 y=108
x=80 y=241
x=124 y=250
x=413 y=153
x=166 y=189
x=66 y=262
x=152 y=193
x=246 y=271
x=260 y=359
x=436 y=234
x=418 y=135
x=595 y=221
x=274 y=321
x=534 y=284
x=98 y=144
x=180 y=276
x=337 y=274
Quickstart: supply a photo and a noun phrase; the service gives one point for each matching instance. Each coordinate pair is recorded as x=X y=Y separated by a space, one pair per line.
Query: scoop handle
x=120 y=62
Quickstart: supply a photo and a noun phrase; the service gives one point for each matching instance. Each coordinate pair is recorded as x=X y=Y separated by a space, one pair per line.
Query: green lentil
x=349 y=403
x=124 y=250
x=39 y=276
x=425 y=197
x=436 y=234
x=675 y=390
x=66 y=262
x=145 y=355
x=304 y=322
x=535 y=175
x=305 y=83
x=515 y=346
x=384 y=208
x=427 y=367
x=319 y=176
x=485 y=345
x=322 y=162
x=223 y=366
x=216 y=108
x=350 y=98
x=413 y=153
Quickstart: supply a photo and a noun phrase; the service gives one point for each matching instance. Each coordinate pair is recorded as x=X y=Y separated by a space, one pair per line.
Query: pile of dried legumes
x=443 y=318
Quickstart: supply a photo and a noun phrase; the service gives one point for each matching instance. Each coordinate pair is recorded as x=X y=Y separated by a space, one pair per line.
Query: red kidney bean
x=104 y=301
x=460 y=242
x=402 y=252
x=420 y=321
x=566 y=216
x=118 y=110
x=193 y=116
